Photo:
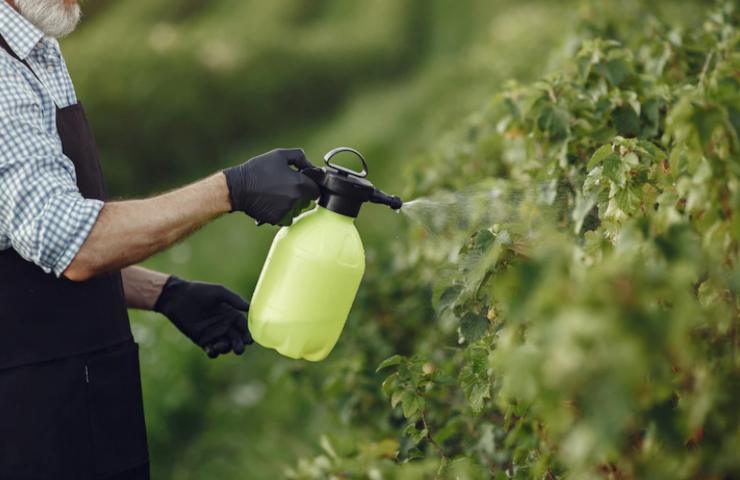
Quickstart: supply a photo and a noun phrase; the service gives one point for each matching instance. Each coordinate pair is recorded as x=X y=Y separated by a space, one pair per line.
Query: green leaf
x=584 y=205
x=631 y=160
x=555 y=122
x=483 y=240
x=650 y=117
x=448 y=298
x=327 y=446
x=414 y=434
x=472 y=327
x=390 y=383
x=396 y=398
x=615 y=70
x=411 y=404
x=613 y=169
x=600 y=155
x=651 y=151
x=477 y=394
x=390 y=362
x=626 y=121
x=594 y=181
x=628 y=199
x=706 y=120
x=474 y=378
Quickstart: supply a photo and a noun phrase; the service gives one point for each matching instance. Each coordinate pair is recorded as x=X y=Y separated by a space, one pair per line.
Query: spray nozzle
x=384 y=199
x=343 y=190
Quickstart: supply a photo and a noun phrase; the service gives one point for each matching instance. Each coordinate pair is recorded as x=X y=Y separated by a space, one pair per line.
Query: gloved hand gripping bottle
x=314 y=267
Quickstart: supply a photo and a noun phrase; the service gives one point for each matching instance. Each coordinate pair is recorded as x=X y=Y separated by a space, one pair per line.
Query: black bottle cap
x=343 y=190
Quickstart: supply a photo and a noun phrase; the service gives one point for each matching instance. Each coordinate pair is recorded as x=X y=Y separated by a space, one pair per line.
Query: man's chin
x=58 y=20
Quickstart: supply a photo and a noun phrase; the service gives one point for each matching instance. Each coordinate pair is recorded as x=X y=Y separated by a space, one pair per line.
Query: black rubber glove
x=210 y=315
x=270 y=187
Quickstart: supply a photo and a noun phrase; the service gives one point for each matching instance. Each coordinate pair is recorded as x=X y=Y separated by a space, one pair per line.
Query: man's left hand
x=210 y=315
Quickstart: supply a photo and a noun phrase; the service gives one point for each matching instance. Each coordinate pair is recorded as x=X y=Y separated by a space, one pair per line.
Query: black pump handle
x=337 y=151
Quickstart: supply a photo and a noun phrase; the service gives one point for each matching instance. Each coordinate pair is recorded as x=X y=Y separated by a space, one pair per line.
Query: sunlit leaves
x=591 y=304
x=590 y=330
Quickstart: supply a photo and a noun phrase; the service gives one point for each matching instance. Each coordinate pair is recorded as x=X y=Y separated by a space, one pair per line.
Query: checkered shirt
x=42 y=213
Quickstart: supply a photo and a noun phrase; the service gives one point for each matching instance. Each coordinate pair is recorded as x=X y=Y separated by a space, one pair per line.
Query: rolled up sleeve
x=43 y=216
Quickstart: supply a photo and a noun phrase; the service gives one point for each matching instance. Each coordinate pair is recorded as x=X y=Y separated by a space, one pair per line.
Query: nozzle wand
x=384 y=199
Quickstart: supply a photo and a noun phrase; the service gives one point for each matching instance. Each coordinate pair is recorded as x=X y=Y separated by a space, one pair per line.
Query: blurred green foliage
x=586 y=297
x=182 y=87
x=580 y=319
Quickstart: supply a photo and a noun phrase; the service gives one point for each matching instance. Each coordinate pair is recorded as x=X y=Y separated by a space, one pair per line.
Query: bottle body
x=307 y=285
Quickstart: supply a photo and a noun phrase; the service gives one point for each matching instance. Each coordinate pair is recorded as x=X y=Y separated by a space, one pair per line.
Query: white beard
x=52 y=17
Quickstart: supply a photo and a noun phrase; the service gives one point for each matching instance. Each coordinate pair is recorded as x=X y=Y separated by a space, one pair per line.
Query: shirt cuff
x=84 y=218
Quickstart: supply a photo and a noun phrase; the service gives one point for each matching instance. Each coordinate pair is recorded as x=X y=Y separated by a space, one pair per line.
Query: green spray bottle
x=314 y=267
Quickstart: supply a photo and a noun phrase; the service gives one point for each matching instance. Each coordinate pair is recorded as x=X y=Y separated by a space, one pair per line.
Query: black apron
x=70 y=390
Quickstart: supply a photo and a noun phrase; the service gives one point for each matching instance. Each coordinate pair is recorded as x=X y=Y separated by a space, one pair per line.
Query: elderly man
x=70 y=393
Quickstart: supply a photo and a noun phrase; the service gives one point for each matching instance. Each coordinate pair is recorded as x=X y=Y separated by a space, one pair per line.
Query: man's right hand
x=270 y=187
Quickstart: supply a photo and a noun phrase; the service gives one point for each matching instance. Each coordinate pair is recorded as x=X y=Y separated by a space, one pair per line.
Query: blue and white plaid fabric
x=42 y=213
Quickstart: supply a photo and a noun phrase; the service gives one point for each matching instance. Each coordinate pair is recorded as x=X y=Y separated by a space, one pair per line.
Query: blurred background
x=177 y=89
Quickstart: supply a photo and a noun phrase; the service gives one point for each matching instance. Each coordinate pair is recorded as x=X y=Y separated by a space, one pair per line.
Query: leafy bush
x=588 y=325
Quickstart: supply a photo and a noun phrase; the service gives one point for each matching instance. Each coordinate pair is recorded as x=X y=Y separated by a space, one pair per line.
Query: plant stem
x=436 y=445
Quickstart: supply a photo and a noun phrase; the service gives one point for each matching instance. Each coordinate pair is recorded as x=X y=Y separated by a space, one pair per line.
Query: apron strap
x=7 y=48
x=4 y=45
